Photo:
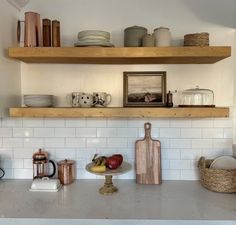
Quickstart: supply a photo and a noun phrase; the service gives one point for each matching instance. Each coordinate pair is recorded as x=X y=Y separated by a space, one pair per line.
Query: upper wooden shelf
x=131 y=55
x=121 y=112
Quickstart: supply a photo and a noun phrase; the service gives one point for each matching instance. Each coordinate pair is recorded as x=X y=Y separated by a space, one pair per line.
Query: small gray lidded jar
x=133 y=36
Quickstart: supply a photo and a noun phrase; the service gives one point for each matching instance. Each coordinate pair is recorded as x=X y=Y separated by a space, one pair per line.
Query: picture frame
x=144 y=89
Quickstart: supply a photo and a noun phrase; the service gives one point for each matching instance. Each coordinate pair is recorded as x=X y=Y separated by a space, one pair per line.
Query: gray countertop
x=173 y=202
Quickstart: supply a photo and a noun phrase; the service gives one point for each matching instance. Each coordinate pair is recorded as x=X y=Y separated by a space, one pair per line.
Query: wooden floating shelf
x=110 y=112
x=130 y=55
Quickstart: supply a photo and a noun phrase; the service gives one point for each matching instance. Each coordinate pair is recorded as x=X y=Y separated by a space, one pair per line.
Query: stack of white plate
x=38 y=100
x=94 y=38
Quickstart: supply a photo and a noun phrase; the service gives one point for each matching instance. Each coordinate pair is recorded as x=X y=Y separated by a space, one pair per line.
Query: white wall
x=183 y=140
x=114 y=16
x=10 y=80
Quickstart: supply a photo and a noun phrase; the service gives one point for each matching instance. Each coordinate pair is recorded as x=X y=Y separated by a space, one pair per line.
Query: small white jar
x=162 y=37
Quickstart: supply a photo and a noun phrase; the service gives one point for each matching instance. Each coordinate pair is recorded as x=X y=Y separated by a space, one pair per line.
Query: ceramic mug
x=2 y=173
x=102 y=99
x=86 y=100
x=73 y=99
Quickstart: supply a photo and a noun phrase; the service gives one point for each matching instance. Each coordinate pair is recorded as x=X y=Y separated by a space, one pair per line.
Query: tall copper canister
x=66 y=171
x=33 y=32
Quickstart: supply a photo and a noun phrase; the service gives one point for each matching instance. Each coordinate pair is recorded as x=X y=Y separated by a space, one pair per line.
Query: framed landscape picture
x=144 y=88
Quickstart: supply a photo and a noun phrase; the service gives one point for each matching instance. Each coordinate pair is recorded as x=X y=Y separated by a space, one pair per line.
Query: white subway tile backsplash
x=183 y=141
x=155 y=132
x=117 y=123
x=180 y=123
x=191 y=132
x=96 y=142
x=54 y=142
x=33 y=142
x=64 y=132
x=23 y=173
x=44 y=132
x=165 y=142
x=180 y=164
x=80 y=163
x=28 y=163
x=12 y=163
x=8 y=174
x=33 y=122
x=12 y=142
x=202 y=143
x=83 y=174
x=228 y=133
x=86 y=132
x=165 y=164
x=75 y=123
x=180 y=143
x=66 y=154
x=75 y=142
x=212 y=132
x=96 y=122
x=136 y=122
x=191 y=153
x=170 y=153
x=223 y=143
x=169 y=132
x=171 y=174
x=212 y=153
x=223 y=122
x=117 y=142
x=54 y=123
x=127 y=132
x=189 y=175
x=11 y=122
x=5 y=132
x=23 y=132
x=24 y=153
x=6 y=153
x=106 y=132
x=160 y=123
x=228 y=151
x=202 y=123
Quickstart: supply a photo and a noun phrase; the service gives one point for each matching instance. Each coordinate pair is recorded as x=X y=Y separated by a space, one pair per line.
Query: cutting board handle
x=147 y=128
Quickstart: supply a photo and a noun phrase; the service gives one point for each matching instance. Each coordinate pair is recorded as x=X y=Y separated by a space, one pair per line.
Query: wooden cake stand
x=108 y=187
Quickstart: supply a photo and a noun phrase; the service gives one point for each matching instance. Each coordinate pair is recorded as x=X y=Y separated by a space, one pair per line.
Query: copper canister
x=66 y=171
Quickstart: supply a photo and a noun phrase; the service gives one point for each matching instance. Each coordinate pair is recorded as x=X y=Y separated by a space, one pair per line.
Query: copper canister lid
x=66 y=162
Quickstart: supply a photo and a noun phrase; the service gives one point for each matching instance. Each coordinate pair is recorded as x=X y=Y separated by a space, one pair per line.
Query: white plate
x=84 y=33
x=224 y=162
x=93 y=43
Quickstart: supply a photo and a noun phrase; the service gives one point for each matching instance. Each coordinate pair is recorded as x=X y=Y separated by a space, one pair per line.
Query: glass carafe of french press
x=41 y=165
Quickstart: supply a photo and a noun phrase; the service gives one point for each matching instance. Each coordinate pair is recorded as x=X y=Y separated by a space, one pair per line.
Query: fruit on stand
x=98 y=169
x=114 y=161
x=100 y=163
x=118 y=156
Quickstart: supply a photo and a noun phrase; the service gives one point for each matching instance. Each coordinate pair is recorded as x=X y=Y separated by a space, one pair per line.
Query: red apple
x=113 y=162
x=118 y=156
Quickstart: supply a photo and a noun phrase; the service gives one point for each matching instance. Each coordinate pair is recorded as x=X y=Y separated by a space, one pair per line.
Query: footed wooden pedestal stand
x=108 y=187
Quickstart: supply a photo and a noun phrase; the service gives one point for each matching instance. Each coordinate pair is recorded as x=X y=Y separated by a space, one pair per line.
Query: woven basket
x=196 y=39
x=218 y=180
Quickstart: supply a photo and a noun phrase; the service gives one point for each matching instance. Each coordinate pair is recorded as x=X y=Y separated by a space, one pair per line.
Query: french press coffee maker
x=41 y=165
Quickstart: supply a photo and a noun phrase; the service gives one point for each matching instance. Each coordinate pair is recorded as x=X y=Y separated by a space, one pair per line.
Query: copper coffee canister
x=66 y=171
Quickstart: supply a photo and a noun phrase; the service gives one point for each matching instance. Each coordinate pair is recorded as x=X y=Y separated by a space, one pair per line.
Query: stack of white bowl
x=38 y=100
x=94 y=38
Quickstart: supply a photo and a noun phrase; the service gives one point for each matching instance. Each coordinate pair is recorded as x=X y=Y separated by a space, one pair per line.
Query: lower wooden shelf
x=120 y=112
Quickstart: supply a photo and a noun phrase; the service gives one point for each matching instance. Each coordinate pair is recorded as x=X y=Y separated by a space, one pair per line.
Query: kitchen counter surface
x=173 y=202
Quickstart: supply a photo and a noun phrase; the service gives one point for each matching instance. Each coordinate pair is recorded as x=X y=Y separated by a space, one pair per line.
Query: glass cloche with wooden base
x=108 y=187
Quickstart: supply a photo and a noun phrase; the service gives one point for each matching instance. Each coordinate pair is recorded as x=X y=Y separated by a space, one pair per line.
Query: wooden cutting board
x=148 y=159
